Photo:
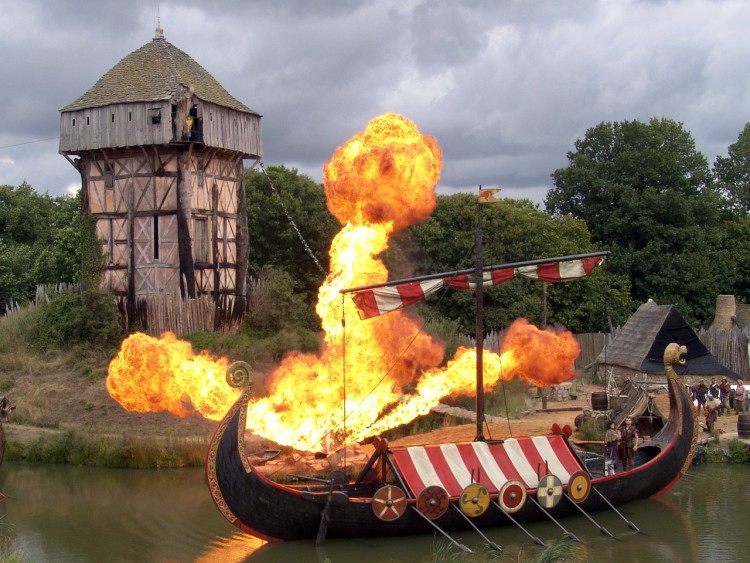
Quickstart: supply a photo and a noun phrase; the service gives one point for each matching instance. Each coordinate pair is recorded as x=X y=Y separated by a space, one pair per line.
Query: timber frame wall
x=169 y=219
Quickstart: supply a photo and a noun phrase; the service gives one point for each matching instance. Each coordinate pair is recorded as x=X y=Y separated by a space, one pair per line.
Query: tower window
x=154 y=115
x=88 y=122
x=109 y=179
x=113 y=118
x=156 y=237
x=200 y=240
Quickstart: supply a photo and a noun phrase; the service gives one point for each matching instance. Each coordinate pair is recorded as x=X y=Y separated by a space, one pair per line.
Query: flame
x=370 y=375
x=152 y=375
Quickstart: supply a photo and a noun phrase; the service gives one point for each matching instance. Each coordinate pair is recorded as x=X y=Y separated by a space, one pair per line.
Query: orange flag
x=488 y=196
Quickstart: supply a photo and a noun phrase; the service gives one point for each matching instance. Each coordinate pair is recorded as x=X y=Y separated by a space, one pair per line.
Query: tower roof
x=155 y=72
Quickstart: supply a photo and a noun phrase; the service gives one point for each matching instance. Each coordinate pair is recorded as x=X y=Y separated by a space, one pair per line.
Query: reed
x=10 y=550
x=123 y=452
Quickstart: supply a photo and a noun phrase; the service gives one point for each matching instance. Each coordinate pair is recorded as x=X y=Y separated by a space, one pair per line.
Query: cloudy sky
x=506 y=87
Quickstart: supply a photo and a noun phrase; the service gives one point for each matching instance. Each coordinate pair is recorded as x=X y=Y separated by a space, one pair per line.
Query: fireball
x=370 y=375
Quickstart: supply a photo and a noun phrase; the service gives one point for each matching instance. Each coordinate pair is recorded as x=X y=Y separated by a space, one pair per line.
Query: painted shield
x=474 y=500
x=549 y=491
x=512 y=496
x=433 y=502
x=579 y=486
x=389 y=503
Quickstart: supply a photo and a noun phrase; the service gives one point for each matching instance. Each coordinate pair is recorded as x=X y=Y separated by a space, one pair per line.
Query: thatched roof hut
x=637 y=351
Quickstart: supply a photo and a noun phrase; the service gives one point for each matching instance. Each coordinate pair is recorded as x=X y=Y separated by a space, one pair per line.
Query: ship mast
x=479 y=333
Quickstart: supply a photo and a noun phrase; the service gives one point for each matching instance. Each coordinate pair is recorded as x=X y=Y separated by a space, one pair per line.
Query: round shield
x=474 y=500
x=512 y=496
x=549 y=491
x=389 y=503
x=433 y=502
x=579 y=486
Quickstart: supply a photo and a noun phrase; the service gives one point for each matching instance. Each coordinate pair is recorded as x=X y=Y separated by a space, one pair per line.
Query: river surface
x=61 y=514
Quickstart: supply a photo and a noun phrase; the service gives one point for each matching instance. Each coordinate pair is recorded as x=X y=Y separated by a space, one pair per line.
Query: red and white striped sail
x=454 y=466
x=374 y=301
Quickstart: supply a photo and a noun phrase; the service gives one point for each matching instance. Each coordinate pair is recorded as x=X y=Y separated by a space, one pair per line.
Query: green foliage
x=562 y=550
x=648 y=195
x=737 y=245
x=514 y=231
x=590 y=429
x=92 y=256
x=290 y=339
x=274 y=303
x=73 y=318
x=123 y=452
x=733 y=172
x=6 y=384
x=39 y=241
x=259 y=350
x=739 y=452
x=274 y=241
x=445 y=330
x=508 y=399
x=444 y=551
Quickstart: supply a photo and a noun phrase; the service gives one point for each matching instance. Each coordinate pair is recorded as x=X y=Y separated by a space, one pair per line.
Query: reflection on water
x=68 y=514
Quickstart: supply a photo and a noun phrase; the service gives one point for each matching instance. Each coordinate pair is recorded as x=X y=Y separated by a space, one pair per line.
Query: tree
x=647 y=194
x=39 y=239
x=278 y=206
x=733 y=172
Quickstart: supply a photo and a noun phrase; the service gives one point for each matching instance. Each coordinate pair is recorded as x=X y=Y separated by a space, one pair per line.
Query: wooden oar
x=570 y=535
x=535 y=539
x=628 y=522
x=492 y=544
x=602 y=529
x=439 y=529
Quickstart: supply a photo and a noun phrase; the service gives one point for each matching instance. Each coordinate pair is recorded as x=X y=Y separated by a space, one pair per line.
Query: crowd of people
x=714 y=400
x=719 y=399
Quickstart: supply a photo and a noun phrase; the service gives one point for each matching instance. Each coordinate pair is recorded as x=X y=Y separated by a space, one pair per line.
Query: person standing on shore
x=700 y=391
x=724 y=397
x=739 y=398
x=712 y=412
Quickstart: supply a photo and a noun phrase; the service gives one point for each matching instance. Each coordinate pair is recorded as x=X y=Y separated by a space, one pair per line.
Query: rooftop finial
x=159 y=34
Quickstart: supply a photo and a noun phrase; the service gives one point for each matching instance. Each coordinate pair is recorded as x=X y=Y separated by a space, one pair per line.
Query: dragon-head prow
x=674 y=354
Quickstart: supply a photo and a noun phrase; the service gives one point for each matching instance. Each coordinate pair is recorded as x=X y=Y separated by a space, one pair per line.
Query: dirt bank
x=54 y=400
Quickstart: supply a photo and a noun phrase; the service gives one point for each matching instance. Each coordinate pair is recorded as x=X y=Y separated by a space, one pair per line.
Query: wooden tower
x=159 y=144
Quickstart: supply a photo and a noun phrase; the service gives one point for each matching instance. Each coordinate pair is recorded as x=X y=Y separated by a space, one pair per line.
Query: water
x=67 y=514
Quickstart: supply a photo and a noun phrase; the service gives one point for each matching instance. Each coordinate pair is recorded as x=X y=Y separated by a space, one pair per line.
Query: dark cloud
x=506 y=86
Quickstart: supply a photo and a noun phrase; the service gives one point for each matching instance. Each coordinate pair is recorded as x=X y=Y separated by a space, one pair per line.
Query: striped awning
x=454 y=466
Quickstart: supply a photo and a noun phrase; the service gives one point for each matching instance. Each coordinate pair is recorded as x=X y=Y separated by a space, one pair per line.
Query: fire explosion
x=381 y=181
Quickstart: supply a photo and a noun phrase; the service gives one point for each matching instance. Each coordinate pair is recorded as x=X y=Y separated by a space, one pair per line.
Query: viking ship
x=448 y=487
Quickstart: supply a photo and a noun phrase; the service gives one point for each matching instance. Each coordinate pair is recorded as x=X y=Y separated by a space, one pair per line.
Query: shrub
x=739 y=452
x=72 y=318
x=275 y=303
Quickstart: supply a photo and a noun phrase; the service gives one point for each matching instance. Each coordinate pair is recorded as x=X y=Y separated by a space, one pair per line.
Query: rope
x=291 y=221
